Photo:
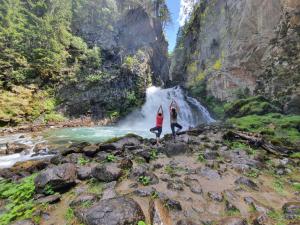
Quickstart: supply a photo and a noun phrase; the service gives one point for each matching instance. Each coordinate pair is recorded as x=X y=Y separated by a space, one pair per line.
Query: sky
x=171 y=30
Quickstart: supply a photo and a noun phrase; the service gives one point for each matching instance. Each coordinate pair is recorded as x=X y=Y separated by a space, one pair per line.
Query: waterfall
x=191 y=113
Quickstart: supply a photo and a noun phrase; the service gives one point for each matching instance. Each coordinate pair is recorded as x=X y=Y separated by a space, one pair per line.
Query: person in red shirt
x=159 y=123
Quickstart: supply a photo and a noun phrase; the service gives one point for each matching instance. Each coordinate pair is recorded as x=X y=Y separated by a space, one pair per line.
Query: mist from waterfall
x=191 y=113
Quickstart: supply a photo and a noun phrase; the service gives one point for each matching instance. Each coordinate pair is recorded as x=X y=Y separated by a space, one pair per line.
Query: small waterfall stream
x=191 y=113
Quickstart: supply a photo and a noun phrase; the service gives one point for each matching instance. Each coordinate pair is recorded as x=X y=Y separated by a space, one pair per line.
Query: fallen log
x=256 y=141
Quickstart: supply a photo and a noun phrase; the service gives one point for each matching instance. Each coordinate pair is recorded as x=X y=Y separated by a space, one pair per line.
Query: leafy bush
x=110 y=158
x=153 y=154
x=83 y=161
x=20 y=199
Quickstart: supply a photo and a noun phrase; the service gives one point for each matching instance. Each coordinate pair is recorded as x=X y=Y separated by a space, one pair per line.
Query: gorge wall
x=134 y=55
x=234 y=47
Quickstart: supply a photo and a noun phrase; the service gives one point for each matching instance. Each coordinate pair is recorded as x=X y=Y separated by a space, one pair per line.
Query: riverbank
x=210 y=175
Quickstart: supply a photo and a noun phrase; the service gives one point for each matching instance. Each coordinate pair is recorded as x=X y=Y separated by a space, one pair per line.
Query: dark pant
x=156 y=130
x=173 y=125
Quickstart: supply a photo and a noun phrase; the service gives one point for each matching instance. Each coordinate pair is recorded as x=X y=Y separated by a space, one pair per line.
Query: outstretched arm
x=160 y=109
x=176 y=105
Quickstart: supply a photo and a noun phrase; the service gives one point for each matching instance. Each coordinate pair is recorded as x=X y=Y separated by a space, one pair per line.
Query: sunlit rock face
x=240 y=46
x=186 y=9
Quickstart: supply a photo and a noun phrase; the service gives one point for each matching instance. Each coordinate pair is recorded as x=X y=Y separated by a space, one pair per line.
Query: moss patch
x=257 y=105
x=280 y=129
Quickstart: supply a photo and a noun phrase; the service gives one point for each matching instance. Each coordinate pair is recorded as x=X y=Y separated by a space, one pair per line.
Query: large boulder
x=247 y=182
x=291 y=210
x=107 y=173
x=114 y=211
x=173 y=149
x=232 y=221
x=12 y=148
x=58 y=178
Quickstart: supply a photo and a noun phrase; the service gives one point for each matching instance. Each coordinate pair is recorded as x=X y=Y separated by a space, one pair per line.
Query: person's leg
x=159 y=130
x=173 y=130
x=179 y=127
x=153 y=130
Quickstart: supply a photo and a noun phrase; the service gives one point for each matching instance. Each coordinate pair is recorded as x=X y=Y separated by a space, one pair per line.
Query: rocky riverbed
x=202 y=178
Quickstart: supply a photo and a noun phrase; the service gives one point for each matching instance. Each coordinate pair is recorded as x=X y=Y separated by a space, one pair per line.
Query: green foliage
x=280 y=129
x=23 y=104
x=253 y=173
x=48 y=190
x=295 y=155
x=20 y=199
x=217 y=65
x=110 y=158
x=70 y=215
x=153 y=154
x=296 y=186
x=83 y=161
x=278 y=186
x=144 y=180
x=278 y=217
x=95 y=187
x=201 y=157
x=142 y=223
x=131 y=62
x=257 y=105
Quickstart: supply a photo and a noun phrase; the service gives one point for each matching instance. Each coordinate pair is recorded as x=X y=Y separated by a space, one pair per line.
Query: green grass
x=48 y=190
x=83 y=161
x=278 y=217
x=20 y=200
x=95 y=187
x=295 y=155
x=296 y=186
x=279 y=129
x=110 y=158
x=153 y=154
x=278 y=186
x=144 y=180
x=69 y=215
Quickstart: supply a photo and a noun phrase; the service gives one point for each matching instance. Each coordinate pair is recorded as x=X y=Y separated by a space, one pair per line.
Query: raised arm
x=160 y=109
x=176 y=105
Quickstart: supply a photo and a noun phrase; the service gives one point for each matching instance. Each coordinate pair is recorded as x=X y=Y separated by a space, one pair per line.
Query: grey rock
x=232 y=221
x=247 y=182
x=194 y=185
x=107 y=173
x=209 y=173
x=173 y=149
x=83 y=198
x=176 y=185
x=173 y=204
x=59 y=178
x=291 y=210
x=216 y=196
x=49 y=199
x=84 y=172
x=145 y=192
x=114 y=211
x=24 y=222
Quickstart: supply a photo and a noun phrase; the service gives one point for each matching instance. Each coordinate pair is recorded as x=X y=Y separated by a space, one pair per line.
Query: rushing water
x=191 y=114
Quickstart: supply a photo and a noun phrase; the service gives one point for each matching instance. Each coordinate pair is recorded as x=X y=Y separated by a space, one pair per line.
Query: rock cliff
x=134 y=55
x=229 y=47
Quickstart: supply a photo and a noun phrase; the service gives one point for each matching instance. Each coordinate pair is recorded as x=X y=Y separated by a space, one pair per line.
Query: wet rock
x=209 y=173
x=107 y=147
x=194 y=185
x=145 y=192
x=291 y=210
x=145 y=154
x=30 y=166
x=173 y=204
x=230 y=206
x=57 y=159
x=107 y=173
x=40 y=147
x=74 y=148
x=59 y=178
x=259 y=207
x=126 y=164
x=12 y=148
x=109 y=190
x=232 y=221
x=247 y=182
x=186 y=222
x=114 y=211
x=24 y=222
x=84 y=172
x=73 y=158
x=82 y=199
x=176 y=185
x=216 y=196
x=261 y=219
x=51 y=199
x=90 y=150
x=211 y=155
x=101 y=156
x=158 y=213
x=139 y=170
x=173 y=149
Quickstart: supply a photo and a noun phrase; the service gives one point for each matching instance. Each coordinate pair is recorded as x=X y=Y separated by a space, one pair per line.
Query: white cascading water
x=191 y=113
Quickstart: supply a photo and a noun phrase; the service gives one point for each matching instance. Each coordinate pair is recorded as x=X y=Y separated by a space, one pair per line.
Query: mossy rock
x=257 y=105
